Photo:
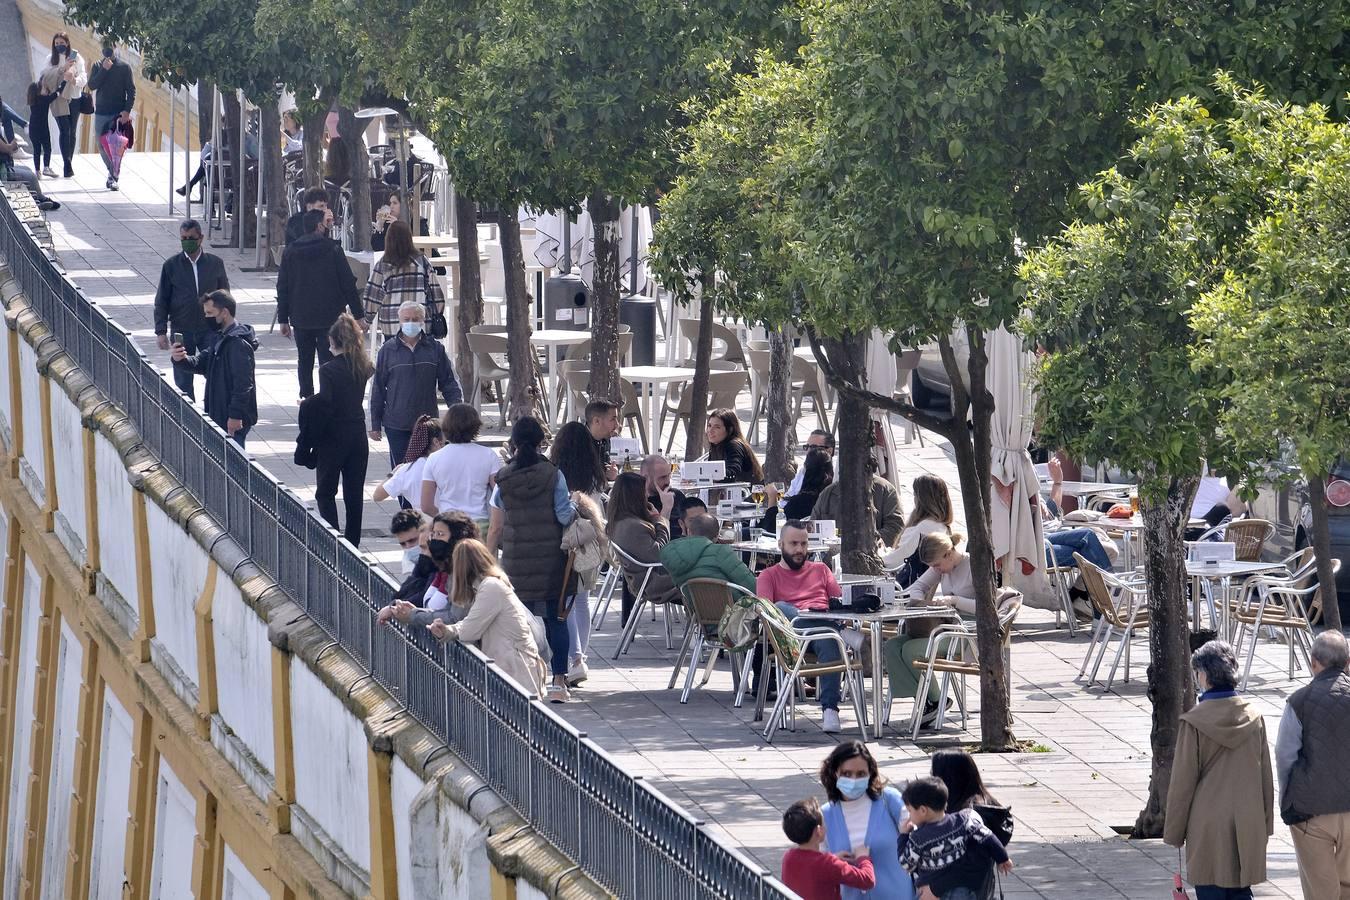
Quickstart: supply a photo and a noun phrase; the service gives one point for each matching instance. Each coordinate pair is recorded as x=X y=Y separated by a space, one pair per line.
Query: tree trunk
x=274 y=182
x=698 y=397
x=604 y=381
x=778 y=430
x=313 y=141
x=972 y=448
x=524 y=397
x=468 y=290
x=1169 y=670
x=858 y=528
x=206 y=92
x=353 y=135
x=1321 y=542
x=237 y=202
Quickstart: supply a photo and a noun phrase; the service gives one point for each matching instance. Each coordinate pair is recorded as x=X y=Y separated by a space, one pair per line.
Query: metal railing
x=620 y=830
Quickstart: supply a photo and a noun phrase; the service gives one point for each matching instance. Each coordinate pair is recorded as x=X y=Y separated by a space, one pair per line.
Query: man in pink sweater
x=798 y=587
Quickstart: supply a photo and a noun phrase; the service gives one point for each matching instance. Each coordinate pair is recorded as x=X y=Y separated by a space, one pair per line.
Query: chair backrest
x=1216 y=533
x=1099 y=592
x=483 y=344
x=807 y=373
x=582 y=349
x=786 y=646
x=706 y=599
x=632 y=407
x=1249 y=536
x=487 y=329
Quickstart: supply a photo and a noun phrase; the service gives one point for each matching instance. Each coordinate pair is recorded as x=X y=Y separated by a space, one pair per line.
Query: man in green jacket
x=698 y=555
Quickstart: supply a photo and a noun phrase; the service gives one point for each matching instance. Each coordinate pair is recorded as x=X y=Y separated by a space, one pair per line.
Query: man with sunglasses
x=817 y=438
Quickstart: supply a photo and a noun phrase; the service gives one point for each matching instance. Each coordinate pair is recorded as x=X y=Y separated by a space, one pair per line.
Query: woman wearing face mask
x=864 y=814
x=406 y=481
x=424 y=594
x=344 y=452
x=64 y=79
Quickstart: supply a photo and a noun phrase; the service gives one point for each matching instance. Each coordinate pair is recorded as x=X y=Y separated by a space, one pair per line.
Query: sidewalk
x=1090 y=779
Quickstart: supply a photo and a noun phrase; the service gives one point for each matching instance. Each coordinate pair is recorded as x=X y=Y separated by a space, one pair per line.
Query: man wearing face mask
x=424 y=595
x=227 y=362
x=183 y=279
x=409 y=372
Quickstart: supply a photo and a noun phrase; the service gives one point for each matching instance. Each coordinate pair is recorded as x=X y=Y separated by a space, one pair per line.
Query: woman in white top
x=496 y=618
x=405 y=482
x=932 y=515
x=461 y=474
x=64 y=78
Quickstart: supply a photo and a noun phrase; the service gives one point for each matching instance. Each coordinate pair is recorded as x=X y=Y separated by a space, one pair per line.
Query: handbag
x=437 y=326
x=997 y=819
x=86 y=103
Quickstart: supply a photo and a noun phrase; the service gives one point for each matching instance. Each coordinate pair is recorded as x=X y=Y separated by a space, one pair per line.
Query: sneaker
x=182 y=191
x=48 y=173
x=556 y=693
x=830 y=723
x=930 y=712
x=46 y=204
x=112 y=184
x=68 y=173
x=577 y=671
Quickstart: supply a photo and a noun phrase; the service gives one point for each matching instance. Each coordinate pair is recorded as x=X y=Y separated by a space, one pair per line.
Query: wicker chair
x=790 y=647
x=1279 y=602
x=954 y=651
x=705 y=600
x=1249 y=536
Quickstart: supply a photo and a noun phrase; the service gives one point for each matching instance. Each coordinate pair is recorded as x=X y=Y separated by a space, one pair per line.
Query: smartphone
x=176 y=338
x=107 y=52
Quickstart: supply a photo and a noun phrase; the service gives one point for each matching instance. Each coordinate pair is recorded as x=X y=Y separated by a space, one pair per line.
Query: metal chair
x=705 y=601
x=641 y=572
x=1278 y=602
x=609 y=582
x=790 y=652
x=954 y=650
x=1122 y=608
x=1061 y=580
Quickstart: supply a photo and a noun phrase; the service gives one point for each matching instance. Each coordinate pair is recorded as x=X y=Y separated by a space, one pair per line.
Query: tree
x=1273 y=328
x=1113 y=303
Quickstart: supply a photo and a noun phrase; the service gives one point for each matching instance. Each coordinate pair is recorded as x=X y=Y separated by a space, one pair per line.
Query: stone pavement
x=1088 y=778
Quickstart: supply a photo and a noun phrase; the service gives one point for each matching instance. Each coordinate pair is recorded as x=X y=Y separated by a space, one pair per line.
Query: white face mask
x=410 y=559
x=410 y=329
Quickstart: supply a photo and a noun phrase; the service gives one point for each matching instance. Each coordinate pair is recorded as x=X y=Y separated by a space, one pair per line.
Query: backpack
x=738 y=630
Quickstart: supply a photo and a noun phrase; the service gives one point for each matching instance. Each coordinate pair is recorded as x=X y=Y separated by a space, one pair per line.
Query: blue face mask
x=852 y=788
x=410 y=329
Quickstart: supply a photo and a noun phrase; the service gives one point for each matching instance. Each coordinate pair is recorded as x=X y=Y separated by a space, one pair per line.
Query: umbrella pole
x=243 y=173
x=187 y=150
x=567 y=243
x=173 y=136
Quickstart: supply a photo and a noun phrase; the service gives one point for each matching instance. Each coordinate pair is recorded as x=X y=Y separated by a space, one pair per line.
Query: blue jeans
x=398 y=446
x=826 y=651
x=1082 y=541
x=556 y=630
x=1214 y=892
x=579 y=625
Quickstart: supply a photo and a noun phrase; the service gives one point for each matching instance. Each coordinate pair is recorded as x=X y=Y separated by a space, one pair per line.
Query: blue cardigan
x=882 y=839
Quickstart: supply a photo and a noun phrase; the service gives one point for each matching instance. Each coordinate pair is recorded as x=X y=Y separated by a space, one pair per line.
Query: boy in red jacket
x=817 y=874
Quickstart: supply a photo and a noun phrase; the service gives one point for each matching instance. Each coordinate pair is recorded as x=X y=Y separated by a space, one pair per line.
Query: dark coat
x=407 y=380
x=178 y=298
x=314 y=415
x=231 y=392
x=315 y=284
x=114 y=88
x=532 y=555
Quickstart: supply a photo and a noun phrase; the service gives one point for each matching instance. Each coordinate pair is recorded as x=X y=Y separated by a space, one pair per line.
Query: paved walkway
x=1088 y=778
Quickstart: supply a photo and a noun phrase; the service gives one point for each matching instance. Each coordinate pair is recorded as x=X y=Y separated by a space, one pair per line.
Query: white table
x=1223 y=571
x=552 y=338
x=646 y=379
x=435 y=241
x=890 y=612
x=704 y=489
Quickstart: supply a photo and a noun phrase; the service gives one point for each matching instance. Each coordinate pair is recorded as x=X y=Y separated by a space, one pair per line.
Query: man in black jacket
x=314 y=198
x=314 y=285
x=184 y=278
x=231 y=394
x=114 y=87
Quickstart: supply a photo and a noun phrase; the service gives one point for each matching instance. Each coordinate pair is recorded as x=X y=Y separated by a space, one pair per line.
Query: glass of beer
x=1134 y=502
x=757 y=494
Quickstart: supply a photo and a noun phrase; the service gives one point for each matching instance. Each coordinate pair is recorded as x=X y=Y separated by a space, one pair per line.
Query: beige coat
x=50 y=78
x=1221 y=802
x=501 y=625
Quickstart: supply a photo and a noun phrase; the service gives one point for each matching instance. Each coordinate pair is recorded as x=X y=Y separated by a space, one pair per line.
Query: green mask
x=190 y=246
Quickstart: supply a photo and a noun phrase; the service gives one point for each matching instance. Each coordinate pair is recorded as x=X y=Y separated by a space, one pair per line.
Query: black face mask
x=60 y=49
x=439 y=550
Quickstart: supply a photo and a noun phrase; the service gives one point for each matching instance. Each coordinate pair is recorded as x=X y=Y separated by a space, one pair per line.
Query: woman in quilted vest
x=530 y=507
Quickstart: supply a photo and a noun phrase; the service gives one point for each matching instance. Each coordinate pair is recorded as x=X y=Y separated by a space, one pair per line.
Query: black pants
x=65 y=127
x=308 y=343
x=182 y=376
x=40 y=134
x=343 y=455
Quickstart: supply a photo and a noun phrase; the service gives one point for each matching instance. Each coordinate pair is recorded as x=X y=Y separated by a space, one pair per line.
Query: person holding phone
x=183 y=279
x=64 y=79
x=114 y=87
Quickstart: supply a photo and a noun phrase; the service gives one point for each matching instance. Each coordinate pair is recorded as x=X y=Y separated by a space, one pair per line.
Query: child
x=813 y=873
x=948 y=854
x=39 y=129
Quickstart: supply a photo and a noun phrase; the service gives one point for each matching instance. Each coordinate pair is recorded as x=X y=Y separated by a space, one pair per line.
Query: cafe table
x=646 y=380
x=890 y=613
x=553 y=338
x=1223 y=571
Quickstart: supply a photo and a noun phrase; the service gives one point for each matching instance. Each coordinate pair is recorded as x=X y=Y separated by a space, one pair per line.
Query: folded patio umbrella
x=113 y=144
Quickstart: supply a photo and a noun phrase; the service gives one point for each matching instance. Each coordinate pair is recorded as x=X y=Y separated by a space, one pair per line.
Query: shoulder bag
x=437 y=326
x=86 y=103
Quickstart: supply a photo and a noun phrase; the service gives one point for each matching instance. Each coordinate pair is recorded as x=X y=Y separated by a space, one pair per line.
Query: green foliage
x=1274 y=327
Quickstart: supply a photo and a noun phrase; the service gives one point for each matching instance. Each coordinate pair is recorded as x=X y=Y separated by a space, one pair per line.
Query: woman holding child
x=864 y=814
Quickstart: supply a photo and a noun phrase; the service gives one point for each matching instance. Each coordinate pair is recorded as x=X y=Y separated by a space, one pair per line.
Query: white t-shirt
x=406 y=481
x=857 y=815
x=1210 y=493
x=461 y=473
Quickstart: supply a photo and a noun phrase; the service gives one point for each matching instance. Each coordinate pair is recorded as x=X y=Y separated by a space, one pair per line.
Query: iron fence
x=623 y=833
